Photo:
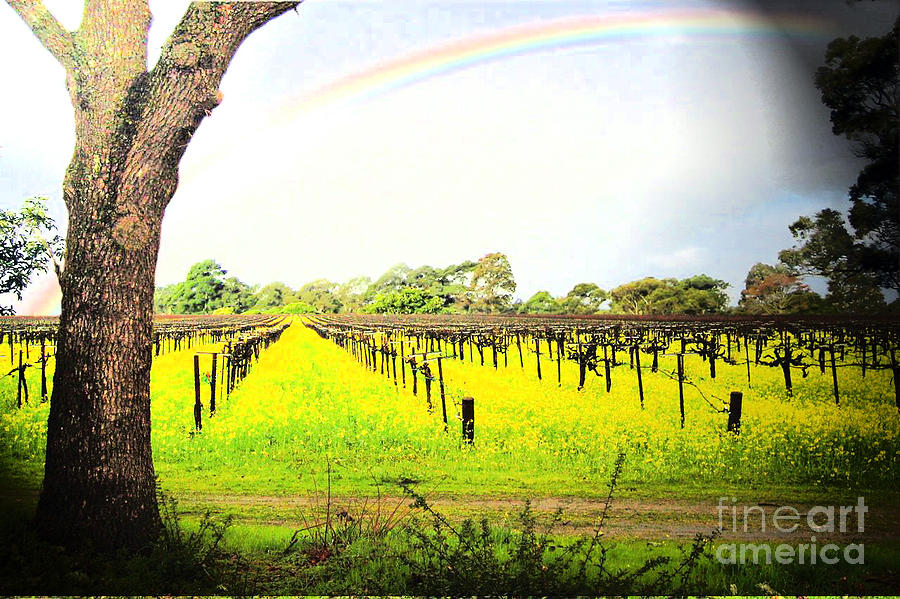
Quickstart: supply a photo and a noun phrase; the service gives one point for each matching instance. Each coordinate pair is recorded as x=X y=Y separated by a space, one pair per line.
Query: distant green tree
x=28 y=244
x=540 y=303
x=352 y=294
x=321 y=294
x=205 y=290
x=423 y=277
x=450 y=284
x=201 y=291
x=859 y=84
x=776 y=290
x=164 y=299
x=584 y=298
x=237 y=295
x=274 y=295
x=394 y=279
x=637 y=296
x=829 y=250
x=855 y=295
x=297 y=308
x=455 y=281
x=700 y=294
x=408 y=300
x=492 y=284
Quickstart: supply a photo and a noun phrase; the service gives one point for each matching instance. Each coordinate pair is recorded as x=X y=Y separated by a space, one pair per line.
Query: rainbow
x=544 y=36
x=580 y=31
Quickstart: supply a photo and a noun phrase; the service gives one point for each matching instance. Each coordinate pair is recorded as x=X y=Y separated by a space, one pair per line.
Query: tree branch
x=46 y=28
x=183 y=87
x=220 y=26
x=115 y=32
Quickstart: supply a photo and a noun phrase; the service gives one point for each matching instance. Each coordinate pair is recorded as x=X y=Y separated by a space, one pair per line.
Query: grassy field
x=310 y=422
x=311 y=404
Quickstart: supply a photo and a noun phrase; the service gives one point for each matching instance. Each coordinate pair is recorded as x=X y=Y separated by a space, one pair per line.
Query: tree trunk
x=99 y=482
x=131 y=129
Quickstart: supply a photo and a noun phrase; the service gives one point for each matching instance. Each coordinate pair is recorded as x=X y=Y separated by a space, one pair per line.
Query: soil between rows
x=628 y=518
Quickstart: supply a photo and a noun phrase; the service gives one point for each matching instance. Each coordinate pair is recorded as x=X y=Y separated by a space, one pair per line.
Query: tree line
x=485 y=286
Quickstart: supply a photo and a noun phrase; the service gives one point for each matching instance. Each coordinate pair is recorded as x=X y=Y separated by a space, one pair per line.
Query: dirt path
x=652 y=519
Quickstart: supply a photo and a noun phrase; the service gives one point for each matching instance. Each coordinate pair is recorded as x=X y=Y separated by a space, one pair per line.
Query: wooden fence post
x=837 y=398
x=222 y=379
x=606 y=369
x=229 y=386
x=582 y=367
x=212 y=387
x=468 y=420
x=43 y=370
x=426 y=374
x=734 y=412
x=402 y=363
x=681 y=386
x=786 y=367
x=394 y=363
x=560 y=344
x=637 y=362
x=747 y=353
x=19 y=381
x=443 y=397
x=198 y=407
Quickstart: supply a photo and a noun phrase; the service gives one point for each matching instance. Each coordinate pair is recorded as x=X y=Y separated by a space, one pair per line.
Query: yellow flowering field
x=309 y=405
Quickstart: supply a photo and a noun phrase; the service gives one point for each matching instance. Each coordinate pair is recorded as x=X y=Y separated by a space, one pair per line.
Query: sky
x=589 y=141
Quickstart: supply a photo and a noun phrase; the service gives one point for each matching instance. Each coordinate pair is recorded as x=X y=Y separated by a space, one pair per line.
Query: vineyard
x=718 y=392
x=30 y=343
x=792 y=346
x=478 y=410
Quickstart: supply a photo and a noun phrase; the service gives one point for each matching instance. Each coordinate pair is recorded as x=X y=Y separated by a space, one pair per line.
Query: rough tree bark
x=132 y=127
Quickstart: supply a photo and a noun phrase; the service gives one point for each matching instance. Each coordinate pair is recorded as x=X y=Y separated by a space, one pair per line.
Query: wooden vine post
x=637 y=364
x=560 y=342
x=680 y=357
x=785 y=361
x=21 y=383
x=43 y=370
x=443 y=396
x=468 y=420
x=198 y=406
x=734 y=412
x=837 y=397
x=212 y=387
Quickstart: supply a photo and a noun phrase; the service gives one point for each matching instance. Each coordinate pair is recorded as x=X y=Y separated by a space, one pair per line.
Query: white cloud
x=678 y=260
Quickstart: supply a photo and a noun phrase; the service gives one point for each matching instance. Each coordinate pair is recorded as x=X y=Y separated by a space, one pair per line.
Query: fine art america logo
x=787 y=519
